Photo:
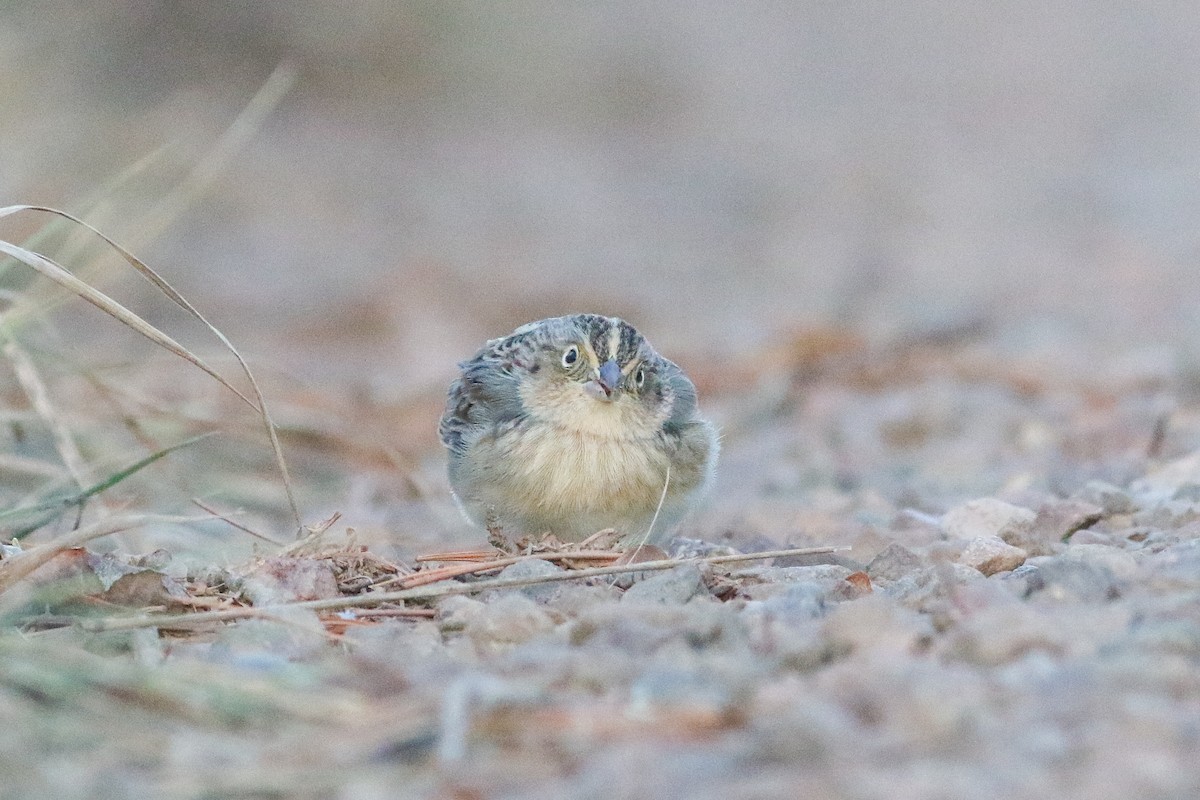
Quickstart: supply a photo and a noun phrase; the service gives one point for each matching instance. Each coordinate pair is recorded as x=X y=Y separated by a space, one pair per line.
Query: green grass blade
x=53 y=506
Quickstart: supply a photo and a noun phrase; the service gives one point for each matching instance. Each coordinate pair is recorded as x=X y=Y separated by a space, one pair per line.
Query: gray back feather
x=484 y=395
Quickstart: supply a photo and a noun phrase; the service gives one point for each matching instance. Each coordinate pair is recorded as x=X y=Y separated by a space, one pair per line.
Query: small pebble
x=677 y=585
x=987 y=517
x=796 y=601
x=1073 y=580
x=533 y=568
x=1055 y=522
x=506 y=622
x=1122 y=565
x=893 y=563
x=455 y=611
x=1171 y=514
x=1111 y=499
x=991 y=554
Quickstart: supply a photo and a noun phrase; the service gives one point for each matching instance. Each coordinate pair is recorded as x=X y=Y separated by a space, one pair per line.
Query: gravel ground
x=933 y=274
x=1040 y=640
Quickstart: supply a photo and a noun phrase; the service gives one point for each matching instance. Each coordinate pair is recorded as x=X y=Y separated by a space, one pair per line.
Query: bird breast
x=556 y=469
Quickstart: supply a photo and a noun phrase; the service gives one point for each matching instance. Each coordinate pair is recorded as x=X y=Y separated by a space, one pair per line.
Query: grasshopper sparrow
x=574 y=424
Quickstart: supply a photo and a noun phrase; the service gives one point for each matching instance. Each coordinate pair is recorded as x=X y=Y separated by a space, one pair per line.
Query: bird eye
x=570 y=356
x=639 y=377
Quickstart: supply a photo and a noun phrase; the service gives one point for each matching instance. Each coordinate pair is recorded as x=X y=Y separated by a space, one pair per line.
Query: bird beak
x=606 y=382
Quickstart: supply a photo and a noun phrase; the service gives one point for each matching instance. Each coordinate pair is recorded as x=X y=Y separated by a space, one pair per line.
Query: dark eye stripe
x=631 y=342
x=599 y=342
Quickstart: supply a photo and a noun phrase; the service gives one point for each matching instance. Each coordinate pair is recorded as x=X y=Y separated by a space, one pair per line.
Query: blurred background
x=912 y=254
x=731 y=177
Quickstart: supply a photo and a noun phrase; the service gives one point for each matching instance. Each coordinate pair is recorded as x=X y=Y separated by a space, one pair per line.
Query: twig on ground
x=403 y=613
x=429 y=592
x=474 y=566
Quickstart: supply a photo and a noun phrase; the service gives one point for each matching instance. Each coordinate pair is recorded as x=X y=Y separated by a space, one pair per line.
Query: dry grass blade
x=92 y=204
x=235 y=524
x=63 y=277
x=100 y=300
x=39 y=397
x=178 y=621
x=20 y=465
x=234 y=139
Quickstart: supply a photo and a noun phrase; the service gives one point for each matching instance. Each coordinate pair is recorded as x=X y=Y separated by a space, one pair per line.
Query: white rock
x=673 y=586
x=987 y=517
x=1121 y=564
x=991 y=554
x=1161 y=483
x=506 y=622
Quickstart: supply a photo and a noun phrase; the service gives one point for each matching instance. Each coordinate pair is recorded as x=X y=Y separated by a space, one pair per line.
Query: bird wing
x=683 y=409
x=485 y=394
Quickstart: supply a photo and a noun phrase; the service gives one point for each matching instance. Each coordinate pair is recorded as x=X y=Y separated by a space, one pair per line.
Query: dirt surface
x=932 y=272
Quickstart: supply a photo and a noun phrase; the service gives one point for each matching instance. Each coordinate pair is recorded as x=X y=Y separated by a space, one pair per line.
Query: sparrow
x=572 y=425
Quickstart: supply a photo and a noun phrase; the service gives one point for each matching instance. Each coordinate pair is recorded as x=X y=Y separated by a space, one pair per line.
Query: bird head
x=594 y=373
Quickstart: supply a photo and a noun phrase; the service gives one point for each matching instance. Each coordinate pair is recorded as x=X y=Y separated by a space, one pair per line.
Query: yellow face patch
x=593 y=359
